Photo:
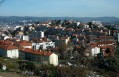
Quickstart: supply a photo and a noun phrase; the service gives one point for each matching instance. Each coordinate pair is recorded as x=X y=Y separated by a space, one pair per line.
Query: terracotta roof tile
x=106 y=42
x=8 y=47
x=43 y=53
x=69 y=29
x=23 y=43
x=6 y=42
x=78 y=47
x=104 y=47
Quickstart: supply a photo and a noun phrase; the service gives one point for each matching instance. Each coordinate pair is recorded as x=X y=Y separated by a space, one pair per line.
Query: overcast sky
x=59 y=8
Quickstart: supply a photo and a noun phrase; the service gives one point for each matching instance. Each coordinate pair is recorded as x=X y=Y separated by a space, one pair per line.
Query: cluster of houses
x=42 y=42
x=24 y=50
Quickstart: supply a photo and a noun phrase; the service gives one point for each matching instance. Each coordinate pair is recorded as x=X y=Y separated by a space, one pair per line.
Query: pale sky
x=60 y=8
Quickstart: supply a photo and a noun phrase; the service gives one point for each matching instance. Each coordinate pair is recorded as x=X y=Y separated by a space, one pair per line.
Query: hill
x=9 y=19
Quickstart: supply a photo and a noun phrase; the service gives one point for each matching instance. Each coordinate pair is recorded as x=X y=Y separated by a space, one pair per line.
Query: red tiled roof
x=11 y=47
x=47 y=53
x=6 y=42
x=105 y=42
x=104 y=47
x=8 y=47
x=23 y=43
x=78 y=46
x=93 y=46
x=69 y=29
x=44 y=53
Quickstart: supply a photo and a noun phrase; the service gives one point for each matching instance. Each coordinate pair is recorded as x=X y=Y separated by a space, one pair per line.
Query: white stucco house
x=9 y=51
x=53 y=59
x=43 y=45
x=39 y=56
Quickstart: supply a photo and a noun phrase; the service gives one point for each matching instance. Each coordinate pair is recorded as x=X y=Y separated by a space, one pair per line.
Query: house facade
x=39 y=56
x=43 y=44
x=9 y=51
x=53 y=59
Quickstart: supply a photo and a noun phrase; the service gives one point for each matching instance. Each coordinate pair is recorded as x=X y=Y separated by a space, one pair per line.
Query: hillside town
x=61 y=43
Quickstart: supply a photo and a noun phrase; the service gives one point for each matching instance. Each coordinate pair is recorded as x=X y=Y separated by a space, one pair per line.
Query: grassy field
x=12 y=68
